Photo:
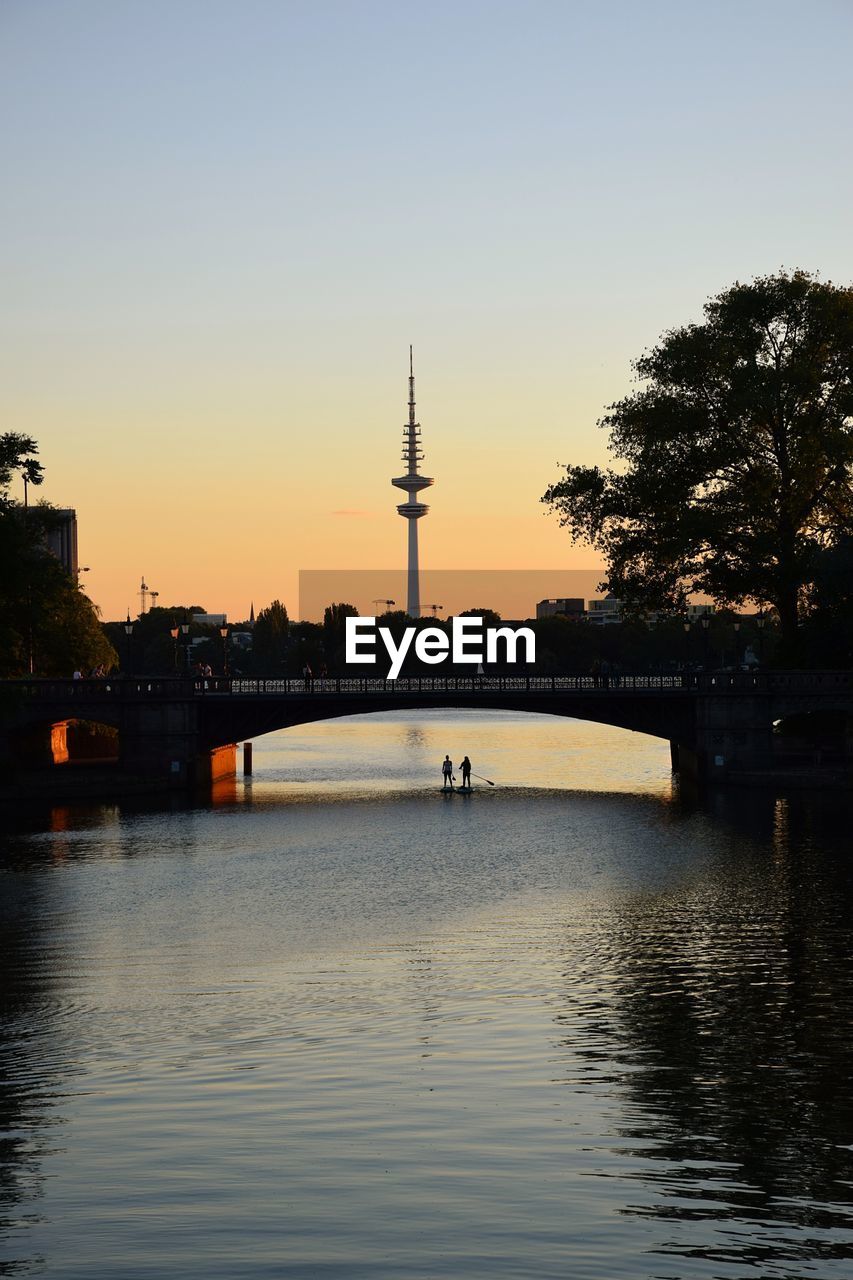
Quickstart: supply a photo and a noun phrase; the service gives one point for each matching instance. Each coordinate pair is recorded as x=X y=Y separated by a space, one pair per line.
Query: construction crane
x=144 y=592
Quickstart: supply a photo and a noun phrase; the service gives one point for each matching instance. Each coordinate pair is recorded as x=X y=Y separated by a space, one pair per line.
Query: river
x=335 y=1024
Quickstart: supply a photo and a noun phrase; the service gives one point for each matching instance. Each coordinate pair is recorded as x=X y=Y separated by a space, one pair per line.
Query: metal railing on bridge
x=183 y=687
x=356 y=686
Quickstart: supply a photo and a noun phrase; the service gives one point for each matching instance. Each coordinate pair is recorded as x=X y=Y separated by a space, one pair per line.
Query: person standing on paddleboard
x=466 y=772
x=447 y=772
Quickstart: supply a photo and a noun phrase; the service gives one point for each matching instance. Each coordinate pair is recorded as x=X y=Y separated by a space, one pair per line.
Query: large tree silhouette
x=735 y=454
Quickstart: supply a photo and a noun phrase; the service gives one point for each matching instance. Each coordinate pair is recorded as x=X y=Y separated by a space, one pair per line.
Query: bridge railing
x=364 y=685
x=176 y=688
x=107 y=688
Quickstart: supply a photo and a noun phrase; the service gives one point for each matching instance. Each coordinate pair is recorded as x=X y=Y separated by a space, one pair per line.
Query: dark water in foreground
x=336 y=1025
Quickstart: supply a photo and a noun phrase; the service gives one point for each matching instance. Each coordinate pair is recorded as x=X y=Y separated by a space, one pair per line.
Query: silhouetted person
x=447 y=773
x=466 y=772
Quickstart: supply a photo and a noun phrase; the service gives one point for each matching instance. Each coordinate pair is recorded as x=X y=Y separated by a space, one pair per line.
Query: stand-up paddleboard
x=455 y=791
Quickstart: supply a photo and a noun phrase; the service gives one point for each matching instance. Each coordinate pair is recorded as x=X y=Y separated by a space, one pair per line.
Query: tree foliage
x=42 y=610
x=491 y=617
x=270 y=638
x=17 y=456
x=334 y=619
x=735 y=453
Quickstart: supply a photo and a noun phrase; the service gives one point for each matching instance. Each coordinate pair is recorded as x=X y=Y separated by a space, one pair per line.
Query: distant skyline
x=224 y=223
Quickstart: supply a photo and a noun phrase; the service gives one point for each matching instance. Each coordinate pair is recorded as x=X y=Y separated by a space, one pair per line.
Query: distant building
x=605 y=611
x=210 y=619
x=62 y=539
x=696 y=611
x=570 y=607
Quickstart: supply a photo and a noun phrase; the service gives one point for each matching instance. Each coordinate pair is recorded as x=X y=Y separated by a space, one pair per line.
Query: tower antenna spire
x=412 y=482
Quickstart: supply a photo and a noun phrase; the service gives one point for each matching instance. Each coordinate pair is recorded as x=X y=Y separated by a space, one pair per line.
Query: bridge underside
x=236 y=719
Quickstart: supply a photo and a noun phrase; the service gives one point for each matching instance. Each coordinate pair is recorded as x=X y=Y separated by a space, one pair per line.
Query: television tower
x=411 y=509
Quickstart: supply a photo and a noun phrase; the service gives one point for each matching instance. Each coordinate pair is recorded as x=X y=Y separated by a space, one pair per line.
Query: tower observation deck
x=412 y=482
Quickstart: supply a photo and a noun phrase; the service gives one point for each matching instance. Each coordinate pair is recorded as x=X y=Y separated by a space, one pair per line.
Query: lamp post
x=706 y=622
x=128 y=631
x=30 y=660
x=686 y=626
x=185 y=631
x=736 y=625
x=174 y=632
x=760 y=623
x=223 y=631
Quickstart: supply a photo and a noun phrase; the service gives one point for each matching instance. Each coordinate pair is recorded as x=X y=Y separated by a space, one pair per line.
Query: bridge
x=183 y=731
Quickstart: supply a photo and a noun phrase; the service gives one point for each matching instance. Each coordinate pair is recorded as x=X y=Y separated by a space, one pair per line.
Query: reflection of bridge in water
x=182 y=730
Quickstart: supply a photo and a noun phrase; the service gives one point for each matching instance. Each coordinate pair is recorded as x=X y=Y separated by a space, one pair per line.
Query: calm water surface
x=337 y=1025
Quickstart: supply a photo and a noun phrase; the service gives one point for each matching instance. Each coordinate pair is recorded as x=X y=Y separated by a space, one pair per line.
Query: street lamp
x=736 y=625
x=686 y=625
x=760 y=623
x=223 y=631
x=128 y=631
x=706 y=622
x=185 y=629
x=174 y=631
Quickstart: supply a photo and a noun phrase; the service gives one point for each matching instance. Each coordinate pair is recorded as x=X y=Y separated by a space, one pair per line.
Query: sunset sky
x=224 y=222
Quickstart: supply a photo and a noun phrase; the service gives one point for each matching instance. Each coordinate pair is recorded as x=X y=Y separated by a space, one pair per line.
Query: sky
x=224 y=221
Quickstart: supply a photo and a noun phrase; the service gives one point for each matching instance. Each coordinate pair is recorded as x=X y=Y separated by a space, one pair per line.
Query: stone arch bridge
x=182 y=731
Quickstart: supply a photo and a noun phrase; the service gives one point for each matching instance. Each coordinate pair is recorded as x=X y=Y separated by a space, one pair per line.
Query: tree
x=44 y=616
x=17 y=454
x=334 y=620
x=334 y=632
x=152 y=649
x=491 y=618
x=67 y=632
x=737 y=452
x=829 y=626
x=270 y=638
x=42 y=610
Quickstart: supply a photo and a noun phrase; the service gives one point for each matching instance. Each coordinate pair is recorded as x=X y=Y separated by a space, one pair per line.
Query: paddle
x=482 y=779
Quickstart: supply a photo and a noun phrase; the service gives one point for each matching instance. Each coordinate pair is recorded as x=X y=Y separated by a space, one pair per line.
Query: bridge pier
x=734 y=734
x=214 y=765
x=162 y=742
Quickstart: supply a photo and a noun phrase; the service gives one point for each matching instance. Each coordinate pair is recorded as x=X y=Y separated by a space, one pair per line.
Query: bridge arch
x=245 y=719
x=71 y=740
